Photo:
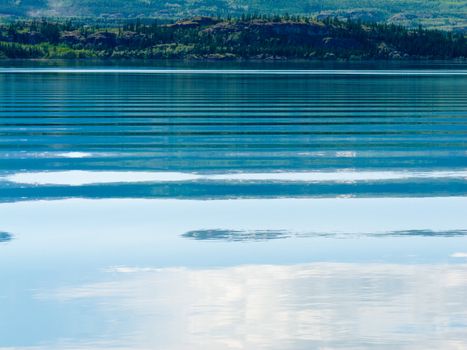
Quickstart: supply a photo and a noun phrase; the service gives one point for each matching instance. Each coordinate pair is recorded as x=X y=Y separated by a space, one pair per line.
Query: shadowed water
x=233 y=207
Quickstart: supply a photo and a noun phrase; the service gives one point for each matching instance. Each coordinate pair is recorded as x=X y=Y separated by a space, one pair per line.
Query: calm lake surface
x=261 y=206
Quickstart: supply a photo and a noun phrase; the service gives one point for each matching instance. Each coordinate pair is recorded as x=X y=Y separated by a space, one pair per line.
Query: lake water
x=247 y=207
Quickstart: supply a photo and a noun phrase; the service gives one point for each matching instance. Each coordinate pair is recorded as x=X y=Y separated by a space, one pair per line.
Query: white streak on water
x=74 y=155
x=421 y=72
x=79 y=177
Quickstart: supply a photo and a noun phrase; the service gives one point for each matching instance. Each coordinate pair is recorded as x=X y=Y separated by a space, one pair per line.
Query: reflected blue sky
x=89 y=235
x=153 y=229
x=121 y=274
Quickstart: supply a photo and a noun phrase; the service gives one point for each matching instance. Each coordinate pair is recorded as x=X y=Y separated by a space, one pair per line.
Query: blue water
x=275 y=206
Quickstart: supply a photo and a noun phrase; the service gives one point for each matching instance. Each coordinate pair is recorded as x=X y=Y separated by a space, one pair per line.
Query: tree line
x=251 y=36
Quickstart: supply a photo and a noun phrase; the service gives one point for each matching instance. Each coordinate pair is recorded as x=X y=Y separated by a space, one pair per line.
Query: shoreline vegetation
x=249 y=37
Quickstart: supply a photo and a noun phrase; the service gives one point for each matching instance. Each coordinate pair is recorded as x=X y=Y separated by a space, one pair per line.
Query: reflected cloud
x=281 y=307
x=429 y=233
x=264 y=235
x=346 y=154
x=5 y=237
x=81 y=177
x=74 y=155
x=53 y=155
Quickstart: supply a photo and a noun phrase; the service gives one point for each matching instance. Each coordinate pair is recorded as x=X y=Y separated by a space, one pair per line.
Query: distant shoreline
x=258 y=38
x=237 y=60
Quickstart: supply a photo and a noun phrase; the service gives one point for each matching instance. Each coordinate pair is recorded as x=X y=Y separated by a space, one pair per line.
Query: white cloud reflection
x=81 y=177
x=74 y=155
x=313 y=306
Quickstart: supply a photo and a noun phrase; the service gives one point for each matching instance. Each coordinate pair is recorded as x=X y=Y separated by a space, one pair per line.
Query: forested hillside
x=441 y=14
x=249 y=37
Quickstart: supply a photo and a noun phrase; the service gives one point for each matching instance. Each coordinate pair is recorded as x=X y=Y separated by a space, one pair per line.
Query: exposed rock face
x=194 y=22
x=102 y=39
x=131 y=39
x=71 y=38
x=387 y=51
x=292 y=30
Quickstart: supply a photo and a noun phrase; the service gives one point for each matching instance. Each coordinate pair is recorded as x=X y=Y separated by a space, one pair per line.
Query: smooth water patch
x=206 y=233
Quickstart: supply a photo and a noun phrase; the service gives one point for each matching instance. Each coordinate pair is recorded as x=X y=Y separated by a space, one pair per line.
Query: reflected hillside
x=264 y=235
x=429 y=233
x=236 y=236
x=5 y=237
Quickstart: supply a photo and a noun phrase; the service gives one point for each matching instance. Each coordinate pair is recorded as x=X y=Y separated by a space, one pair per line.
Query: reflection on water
x=236 y=236
x=245 y=236
x=233 y=134
x=118 y=274
x=131 y=190
x=312 y=306
x=5 y=237
x=77 y=178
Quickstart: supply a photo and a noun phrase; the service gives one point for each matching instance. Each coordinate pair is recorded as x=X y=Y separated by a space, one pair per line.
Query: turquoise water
x=233 y=207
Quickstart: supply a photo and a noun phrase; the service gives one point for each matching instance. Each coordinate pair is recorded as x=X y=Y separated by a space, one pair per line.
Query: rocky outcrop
x=72 y=38
x=390 y=52
x=270 y=28
x=194 y=22
x=102 y=39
